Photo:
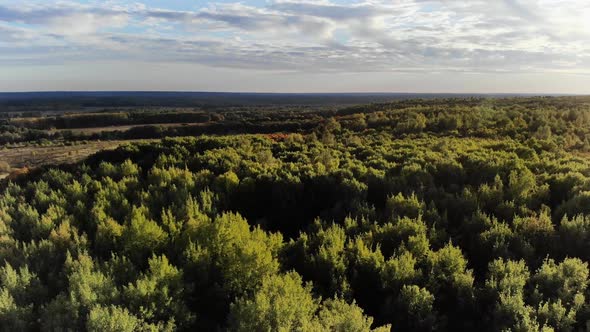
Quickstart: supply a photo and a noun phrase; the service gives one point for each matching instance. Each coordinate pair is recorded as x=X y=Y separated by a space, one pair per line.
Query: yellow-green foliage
x=413 y=216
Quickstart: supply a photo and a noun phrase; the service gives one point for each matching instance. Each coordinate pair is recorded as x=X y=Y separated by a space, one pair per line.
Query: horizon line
x=301 y=93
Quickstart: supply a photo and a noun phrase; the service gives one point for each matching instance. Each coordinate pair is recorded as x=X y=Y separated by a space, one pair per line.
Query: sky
x=475 y=46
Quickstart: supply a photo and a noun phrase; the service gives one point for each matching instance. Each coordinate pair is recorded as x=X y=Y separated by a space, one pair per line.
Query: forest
x=445 y=214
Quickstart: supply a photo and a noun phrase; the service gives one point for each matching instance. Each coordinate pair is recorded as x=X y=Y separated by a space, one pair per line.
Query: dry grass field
x=98 y=130
x=18 y=158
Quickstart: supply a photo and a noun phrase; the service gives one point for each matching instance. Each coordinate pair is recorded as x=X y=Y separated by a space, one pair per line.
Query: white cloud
x=66 y=18
x=504 y=36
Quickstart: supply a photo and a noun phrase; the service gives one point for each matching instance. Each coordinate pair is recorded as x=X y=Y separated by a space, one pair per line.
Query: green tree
x=112 y=319
x=142 y=236
x=400 y=270
x=158 y=295
x=281 y=304
x=418 y=303
x=339 y=316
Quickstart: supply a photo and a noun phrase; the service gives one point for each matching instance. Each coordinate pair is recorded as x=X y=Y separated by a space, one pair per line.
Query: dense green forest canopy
x=442 y=215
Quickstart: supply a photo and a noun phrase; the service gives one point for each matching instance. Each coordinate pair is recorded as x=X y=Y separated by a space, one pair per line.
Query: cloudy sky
x=529 y=46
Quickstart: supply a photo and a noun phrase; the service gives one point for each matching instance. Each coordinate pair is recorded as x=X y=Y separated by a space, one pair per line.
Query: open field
x=32 y=156
x=97 y=130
